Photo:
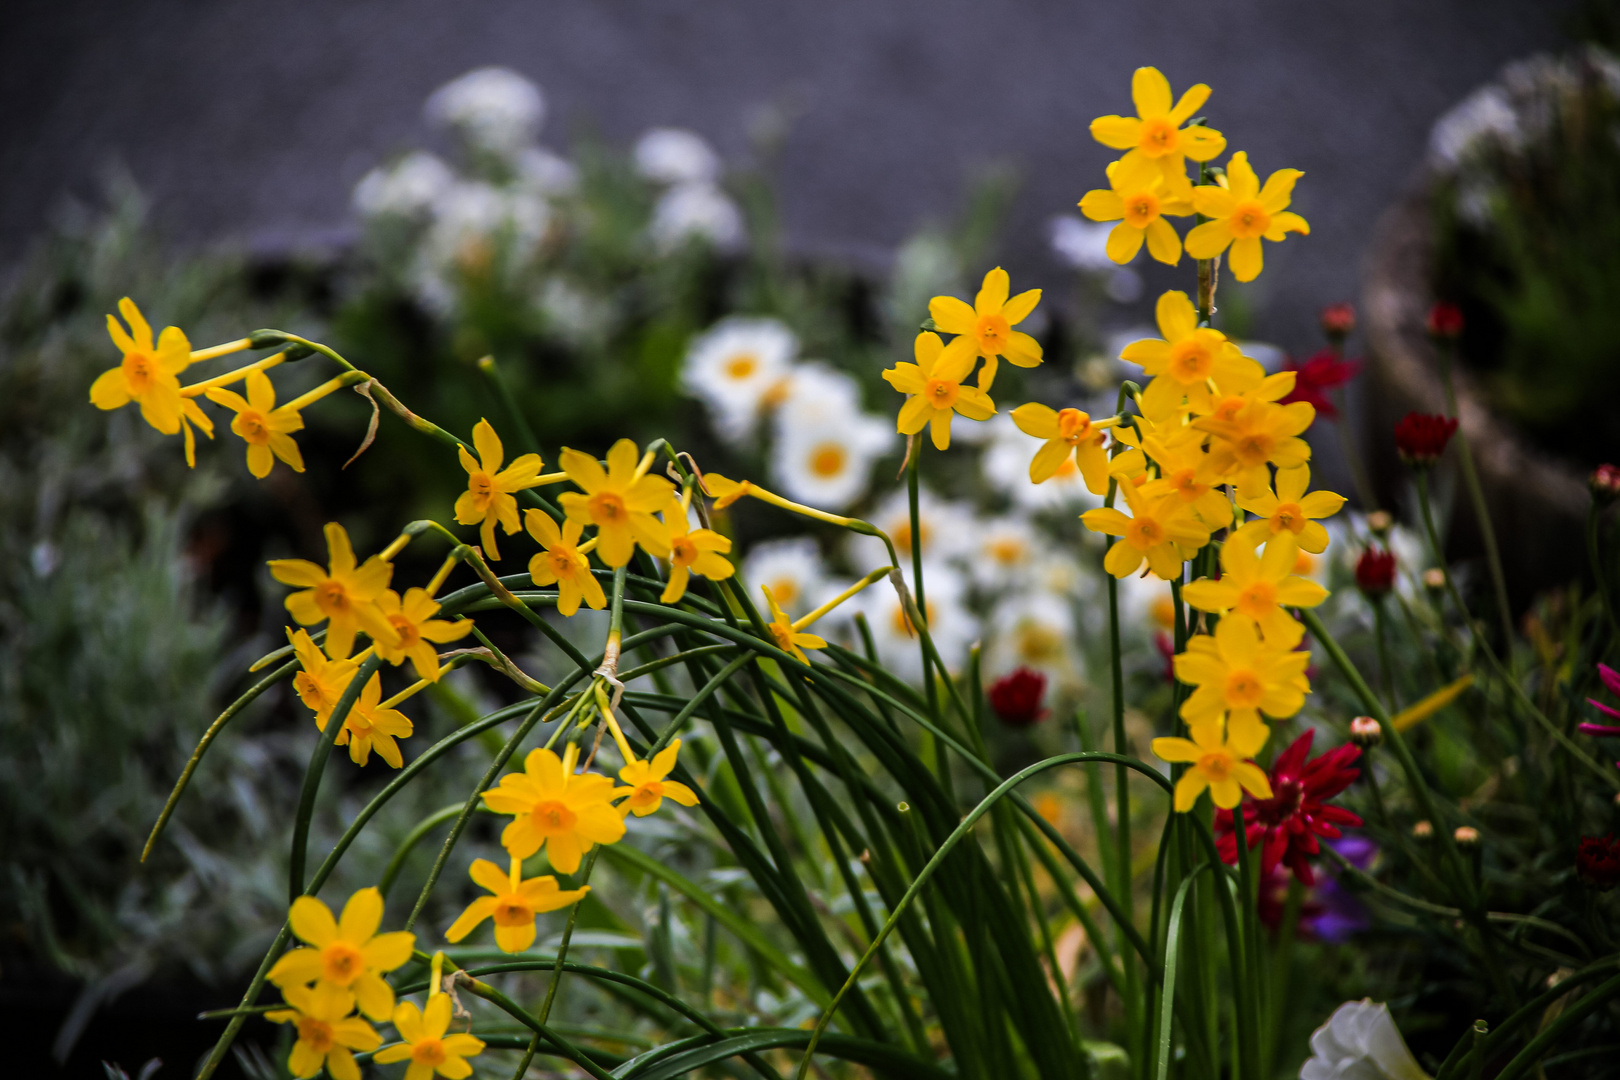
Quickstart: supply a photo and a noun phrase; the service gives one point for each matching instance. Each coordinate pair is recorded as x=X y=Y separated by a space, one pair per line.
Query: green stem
x=503 y=390
x=1386 y=670
x=317 y=766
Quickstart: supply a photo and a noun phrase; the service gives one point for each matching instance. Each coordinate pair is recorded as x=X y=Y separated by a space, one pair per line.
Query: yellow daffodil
x=1185 y=359
x=346 y=954
x=649 y=786
x=369 y=726
x=565 y=812
x=725 y=491
x=1291 y=509
x=426 y=1046
x=266 y=429
x=989 y=323
x=692 y=551
x=1164 y=531
x=1241 y=676
x=563 y=563
x=1155 y=131
x=1230 y=398
x=412 y=618
x=1260 y=432
x=1068 y=433
x=787 y=636
x=1243 y=212
x=1218 y=764
x=342 y=592
x=322 y=681
x=934 y=384
x=621 y=502
x=1258 y=586
x=327 y=1034
x=149 y=372
x=1138 y=197
x=514 y=906
x=488 y=499
x=1186 y=472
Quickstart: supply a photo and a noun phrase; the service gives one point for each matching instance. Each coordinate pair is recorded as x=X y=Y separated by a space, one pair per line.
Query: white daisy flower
x=1360 y=1042
x=948 y=530
x=1006 y=467
x=1060 y=574
x=828 y=466
x=474 y=225
x=735 y=367
x=950 y=624
x=406 y=188
x=676 y=156
x=494 y=110
x=1037 y=631
x=545 y=173
x=814 y=395
x=1005 y=554
x=696 y=211
x=792 y=569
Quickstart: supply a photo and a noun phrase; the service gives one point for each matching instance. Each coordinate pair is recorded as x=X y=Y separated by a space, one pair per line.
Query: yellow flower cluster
x=1150 y=184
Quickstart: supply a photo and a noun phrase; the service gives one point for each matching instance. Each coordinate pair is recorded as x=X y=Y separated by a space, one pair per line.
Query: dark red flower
x=1445 y=321
x=1605 y=483
x=1285 y=826
x=1338 y=320
x=1316 y=376
x=1597 y=861
x=1016 y=698
x=1167 y=652
x=1375 y=572
x=1422 y=437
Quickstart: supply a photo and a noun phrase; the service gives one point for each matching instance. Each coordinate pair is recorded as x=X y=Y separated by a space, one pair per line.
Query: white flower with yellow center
x=1036 y=631
x=1005 y=555
x=1006 y=467
x=825 y=445
x=696 y=211
x=947 y=531
x=792 y=569
x=950 y=624
x=737 y=369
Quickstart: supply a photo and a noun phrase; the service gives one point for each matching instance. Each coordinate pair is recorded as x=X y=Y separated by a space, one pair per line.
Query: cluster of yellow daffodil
x=1150 y=183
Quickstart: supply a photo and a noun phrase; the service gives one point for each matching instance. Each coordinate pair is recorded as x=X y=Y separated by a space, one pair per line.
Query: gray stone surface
x=251 y=121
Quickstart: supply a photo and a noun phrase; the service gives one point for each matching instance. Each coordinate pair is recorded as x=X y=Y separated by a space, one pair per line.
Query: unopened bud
x=1445 y=321
x=1466 y=836
x=1422 y=830
x=1380 y=522
x=1434 y=579
x=1366 y=732
x=1604 y=483
x=1338 y=320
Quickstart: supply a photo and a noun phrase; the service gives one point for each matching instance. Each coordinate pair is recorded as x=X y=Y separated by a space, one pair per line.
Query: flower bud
x=1445 y=321
x=1422 y=830
x=1379 y=522
x=1597 y=861
x=1338 y=320
x=1366 y=732
x=1434 y=579
x=1604 y=483
x=1466 y=836
x=1016 y=698
x=1375 y=573
x=1422 y=437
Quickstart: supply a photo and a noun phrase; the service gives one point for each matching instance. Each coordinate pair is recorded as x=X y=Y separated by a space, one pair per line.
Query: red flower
x=1338 y=320
x=1611 y=682
x=1375 y=572
x=1016 y=698
x=1445 y=321
x=1597 y=861
x=1316 y=376
x=1605 y=483
x=1285 y=826
x=1421 y=437
x=1166 y=647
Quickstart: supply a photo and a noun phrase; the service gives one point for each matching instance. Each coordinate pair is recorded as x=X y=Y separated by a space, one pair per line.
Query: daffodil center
x=431 y=1052
x=1190 y=362
x=332 y=597
x=1257 y=599
x=1304 y=563
x=140 y=371
x=1159 y=136
x=1249 y=220
x=786 y=591
x=741 y=367
x=607 y=508
x=316 y=1034
x=828 y=460
x=1288 y=516
x=1216 y=767
x=1243 y=689
x=341 y=962
x=1227 y=408
x=682 y=551
x=1073 y=425
x=562 y=561
x=993 y=332
x=1253 y=448
x=253 y=426
x=783 y=633
x=1186 y=485
x=510 y=911
x=552 y=818
x=648 y=791
x=1144 y=532
x=941 y=393
x=1141 y=209
x=409 y=635
x=482 y=486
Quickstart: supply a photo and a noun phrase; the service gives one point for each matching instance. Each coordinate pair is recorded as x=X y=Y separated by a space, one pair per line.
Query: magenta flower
x=1611 y=682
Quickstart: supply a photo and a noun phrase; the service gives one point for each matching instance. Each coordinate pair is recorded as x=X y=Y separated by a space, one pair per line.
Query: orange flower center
x=647 y=793
x=253 y=426
x=1007 y=551
x=740 y=367
x=313 y=692
x=1304 y=563
x=510 y=911
x=607 y=508
x=1073 y=425
x=1158 y=136
x=1257 y=599
x=682 y=551
x=332 y=597
x=1186 y=486
x=992 y=332
x=140 y=371
x=902 y=622
x=1216 y=766
x=902 y=536
x=482 y=486
x=1164 y=612
x=1038 y=644
x=1190 y=361
x=341 y=962
x=317 y=1034
x=1243 y=689
x=1253 y=448
x=786 y=590
x=431 y=1052
x=562 y=561
x=1227 y=408
x=1249 y=220
x=552 y=818
x=1144 y=533
x=783 y=633
x=828 y=459
x=941 y=393
x=1141 y=209
x=1288 y=516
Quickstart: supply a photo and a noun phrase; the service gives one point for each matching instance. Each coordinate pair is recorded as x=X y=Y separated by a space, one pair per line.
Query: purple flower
x=1611 y=681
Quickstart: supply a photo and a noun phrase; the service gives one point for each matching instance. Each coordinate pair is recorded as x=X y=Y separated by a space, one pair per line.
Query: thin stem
x=317 y=766
x=1386 y=670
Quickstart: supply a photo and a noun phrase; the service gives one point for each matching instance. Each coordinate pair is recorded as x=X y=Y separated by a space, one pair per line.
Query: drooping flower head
x=1163 y=531
x=346 y=954
x=1290 y=509
x=1139 y=195
x=649 y=783
x=934 y=384
x=266 y=429
x=788 y=638
x=489 y=498
x=514 y=905
x=1285 y=825
x=411 y=616
x=1156 y=131
x=1242 y=213
x=426 y=1046
x=1316 y=376
x=1017 y=698
x=322 y=681
x=622 y=501
x=1259 y=586
x=988 y=325
x=1219 y=764
x=563 y=562
x=327 y=1034
x=1240 y=676
x=1422 y=437
x=1068 y=433
x=692 y=551
x=1360 y=1039
x=565 y=812
x=343 y=592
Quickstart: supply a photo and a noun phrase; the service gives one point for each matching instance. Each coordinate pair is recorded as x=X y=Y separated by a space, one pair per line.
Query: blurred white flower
x=1006 y=467
x=1083 y=245
x=545 y=173
x=736 y=367
x=676 y=156
x=575 y=315
x=948 y=530
x=829 y=465
x=1360 y=1042
x=813 y=395
x=1145 y=605
x=494 y=110
x=792 y=569
x=1004 y=555
x=1036 y=631
x=950 y=624
x=696 y=211
x=477 y=229
x=405 y=188
x=1060 y=574
x=1483 y=117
